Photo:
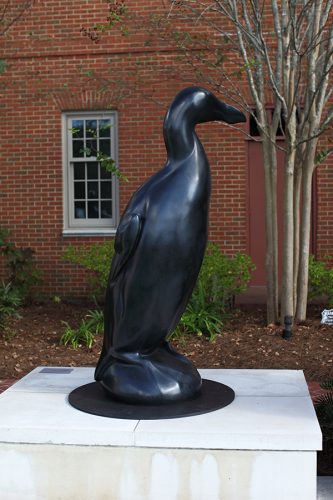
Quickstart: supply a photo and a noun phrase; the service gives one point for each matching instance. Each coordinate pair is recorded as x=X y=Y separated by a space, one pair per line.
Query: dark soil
x=246 y=342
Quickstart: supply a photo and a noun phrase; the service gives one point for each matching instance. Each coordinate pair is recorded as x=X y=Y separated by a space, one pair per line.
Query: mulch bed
x=246 y=342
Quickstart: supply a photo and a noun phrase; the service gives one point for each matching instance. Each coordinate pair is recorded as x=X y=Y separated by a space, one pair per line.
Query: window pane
x=105 y=174
x=79 y=190
x=91 y=128
x=104 y=146
x=104 y=128
x=77 y=149
x=79 y=171
x=91 y=146
x=106 y=209
x=79 y=210
x=92 y=170
x=77 y=128
x=92 y=189
x=93 y=212
x=106 y=189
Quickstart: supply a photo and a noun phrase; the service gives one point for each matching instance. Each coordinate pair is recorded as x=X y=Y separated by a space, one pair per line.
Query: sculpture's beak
x=229 y=114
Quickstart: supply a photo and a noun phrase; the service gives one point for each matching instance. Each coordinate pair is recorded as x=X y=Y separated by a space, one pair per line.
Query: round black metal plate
x=91 y=398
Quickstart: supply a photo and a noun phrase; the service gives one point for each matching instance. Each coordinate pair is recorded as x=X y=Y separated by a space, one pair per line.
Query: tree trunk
x=275 y=233
x=287 y=296
x=297 y=201
x=271 y=231
x=305 y=228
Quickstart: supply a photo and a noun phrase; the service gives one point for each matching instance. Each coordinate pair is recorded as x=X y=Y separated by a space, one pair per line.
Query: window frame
x=280 y=135
x=87 y=227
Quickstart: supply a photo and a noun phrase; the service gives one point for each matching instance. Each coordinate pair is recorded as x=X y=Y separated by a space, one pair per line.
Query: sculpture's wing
x=127 y=238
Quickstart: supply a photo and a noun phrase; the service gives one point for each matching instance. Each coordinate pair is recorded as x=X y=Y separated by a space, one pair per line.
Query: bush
x=199 y=319
x=86 y=331
x=221 y=278
x=96 y=258
x=324 y=409
x=320 y=280
x=22 y=269
x=10 y=300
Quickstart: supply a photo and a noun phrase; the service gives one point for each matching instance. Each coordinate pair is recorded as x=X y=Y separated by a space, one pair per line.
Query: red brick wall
x=52 y=67
x=48 y=62
x=324 y=202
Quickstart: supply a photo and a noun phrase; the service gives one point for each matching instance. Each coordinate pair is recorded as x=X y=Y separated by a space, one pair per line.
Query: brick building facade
x=60 y=90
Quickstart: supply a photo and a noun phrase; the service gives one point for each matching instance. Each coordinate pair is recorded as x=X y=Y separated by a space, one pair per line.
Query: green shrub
x=199 y=319
x=23 y=274
x=95 y=321
x=10 y=300
x=320 y=280
x=221 y=278
x=86 y=331
x=324 y=409
x=76 y=337
x=96 y=258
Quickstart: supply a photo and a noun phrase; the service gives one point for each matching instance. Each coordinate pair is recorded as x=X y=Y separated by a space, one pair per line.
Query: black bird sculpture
x=159 y=247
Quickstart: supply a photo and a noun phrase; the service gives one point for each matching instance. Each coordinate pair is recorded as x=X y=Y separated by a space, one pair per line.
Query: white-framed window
x=90 y=191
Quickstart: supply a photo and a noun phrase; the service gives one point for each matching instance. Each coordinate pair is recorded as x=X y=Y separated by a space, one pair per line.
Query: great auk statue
x=159 y=247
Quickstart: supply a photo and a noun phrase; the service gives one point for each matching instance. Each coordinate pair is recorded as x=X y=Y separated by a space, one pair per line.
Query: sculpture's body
x=159 y=248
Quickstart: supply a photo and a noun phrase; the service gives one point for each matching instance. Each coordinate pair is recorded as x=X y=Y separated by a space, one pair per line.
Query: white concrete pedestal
x=261 y=447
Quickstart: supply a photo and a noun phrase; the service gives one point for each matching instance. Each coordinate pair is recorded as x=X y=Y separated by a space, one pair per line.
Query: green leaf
x=74 y=131
x=90 y=73
x=221 y=278
x=3 y=66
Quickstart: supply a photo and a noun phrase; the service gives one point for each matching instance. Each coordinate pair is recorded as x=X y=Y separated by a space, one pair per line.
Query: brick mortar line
x=103 y=52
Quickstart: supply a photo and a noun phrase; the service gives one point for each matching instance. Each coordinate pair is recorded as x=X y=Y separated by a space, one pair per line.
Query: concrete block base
x=53 y=472
x=263 y=446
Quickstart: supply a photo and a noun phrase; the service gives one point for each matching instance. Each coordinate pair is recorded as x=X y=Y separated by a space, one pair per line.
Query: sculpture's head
x=202 y=106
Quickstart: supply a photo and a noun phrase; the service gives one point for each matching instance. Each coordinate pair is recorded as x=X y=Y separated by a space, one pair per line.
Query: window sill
x=89 y=232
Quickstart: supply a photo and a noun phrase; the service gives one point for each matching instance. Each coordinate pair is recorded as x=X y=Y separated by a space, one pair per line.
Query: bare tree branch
x=11 y=14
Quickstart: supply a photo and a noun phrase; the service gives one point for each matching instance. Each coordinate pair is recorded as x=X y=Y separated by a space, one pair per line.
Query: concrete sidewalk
x=325 y=488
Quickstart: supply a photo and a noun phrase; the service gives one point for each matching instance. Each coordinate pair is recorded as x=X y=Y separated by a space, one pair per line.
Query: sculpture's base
x=262 y=446
x=91 y=398
x=159 y=377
